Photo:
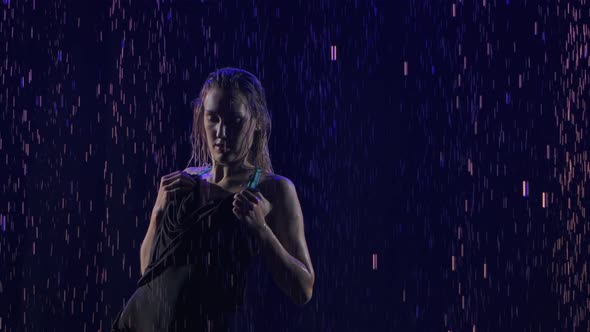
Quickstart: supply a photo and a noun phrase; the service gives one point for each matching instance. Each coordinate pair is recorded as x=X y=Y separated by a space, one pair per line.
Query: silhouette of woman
x=208 y=222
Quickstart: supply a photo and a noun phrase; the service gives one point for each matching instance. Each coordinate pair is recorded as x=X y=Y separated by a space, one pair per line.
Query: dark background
x=415 y=169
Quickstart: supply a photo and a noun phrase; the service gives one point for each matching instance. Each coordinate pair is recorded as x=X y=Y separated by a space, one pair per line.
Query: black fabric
x=197 y=273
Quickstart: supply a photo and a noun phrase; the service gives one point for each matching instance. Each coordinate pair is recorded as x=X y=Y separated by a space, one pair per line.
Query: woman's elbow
x=304 y=296
x=308 y=295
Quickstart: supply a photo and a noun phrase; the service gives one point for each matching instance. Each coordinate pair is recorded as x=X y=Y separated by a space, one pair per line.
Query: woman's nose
x=221 y=130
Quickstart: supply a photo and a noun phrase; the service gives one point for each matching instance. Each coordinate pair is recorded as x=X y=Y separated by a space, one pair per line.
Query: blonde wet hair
x=250 y=91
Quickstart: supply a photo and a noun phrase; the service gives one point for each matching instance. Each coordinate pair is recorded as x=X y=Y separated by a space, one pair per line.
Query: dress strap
x=254 y=179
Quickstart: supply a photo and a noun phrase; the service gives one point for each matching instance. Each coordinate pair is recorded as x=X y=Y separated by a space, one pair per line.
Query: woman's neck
x=226 y=172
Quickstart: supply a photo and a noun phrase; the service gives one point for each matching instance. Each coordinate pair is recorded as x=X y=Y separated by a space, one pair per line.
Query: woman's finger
x=179 y=180
x=167 y=176
x=250 y=196
x=239 y=213
x=241 y=202
x=175 y=176
x=177 y=193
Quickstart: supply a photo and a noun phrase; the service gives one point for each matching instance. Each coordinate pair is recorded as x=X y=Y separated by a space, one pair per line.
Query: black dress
x=195 y=280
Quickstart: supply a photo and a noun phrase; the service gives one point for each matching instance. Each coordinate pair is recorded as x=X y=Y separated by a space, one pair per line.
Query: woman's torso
x=200 y=272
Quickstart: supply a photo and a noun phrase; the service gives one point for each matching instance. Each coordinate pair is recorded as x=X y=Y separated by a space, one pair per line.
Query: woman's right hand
x=172 y=187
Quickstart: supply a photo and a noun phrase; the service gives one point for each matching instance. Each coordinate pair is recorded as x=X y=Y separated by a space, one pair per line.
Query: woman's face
x=226 y=121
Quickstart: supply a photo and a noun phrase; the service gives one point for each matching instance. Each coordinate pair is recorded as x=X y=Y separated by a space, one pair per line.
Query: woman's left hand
x=252 y=208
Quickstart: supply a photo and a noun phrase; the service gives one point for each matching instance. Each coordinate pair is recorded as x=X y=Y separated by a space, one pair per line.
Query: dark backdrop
x=447 y=140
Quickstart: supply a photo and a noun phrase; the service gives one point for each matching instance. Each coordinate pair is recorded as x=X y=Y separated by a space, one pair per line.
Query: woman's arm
x=284 y=247
x=145 y=252
x=171 y=185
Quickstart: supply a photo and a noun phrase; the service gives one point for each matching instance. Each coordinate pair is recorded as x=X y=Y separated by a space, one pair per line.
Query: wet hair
x=248 y=89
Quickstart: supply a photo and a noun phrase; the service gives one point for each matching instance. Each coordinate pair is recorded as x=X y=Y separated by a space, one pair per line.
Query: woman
x=208 y=222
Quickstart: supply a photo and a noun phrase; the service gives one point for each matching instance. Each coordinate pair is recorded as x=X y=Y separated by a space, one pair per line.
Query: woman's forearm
x=148 y=242
x=289 y=273
x=144 y=254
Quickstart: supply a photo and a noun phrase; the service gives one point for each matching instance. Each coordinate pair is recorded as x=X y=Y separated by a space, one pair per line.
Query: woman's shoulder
x=275 y=183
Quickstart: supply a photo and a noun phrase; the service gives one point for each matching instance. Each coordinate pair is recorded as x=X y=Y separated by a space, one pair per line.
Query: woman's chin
x=224 y=154
x=224 y=157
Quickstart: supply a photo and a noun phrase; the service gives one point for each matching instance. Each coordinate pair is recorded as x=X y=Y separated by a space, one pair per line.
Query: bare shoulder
x=281 y=193
x=275 y=184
